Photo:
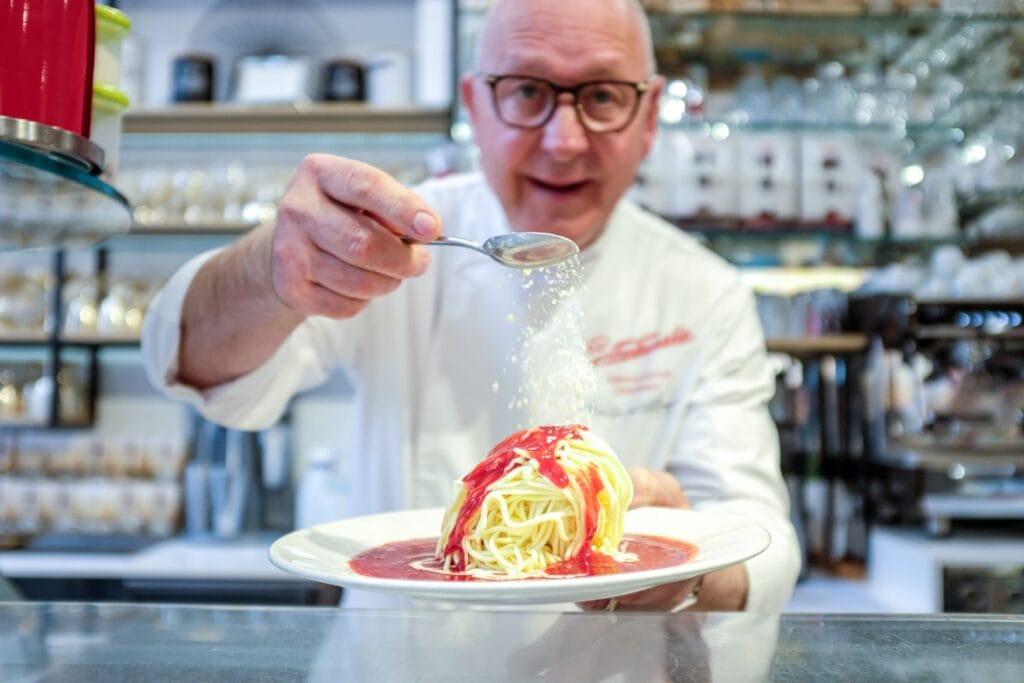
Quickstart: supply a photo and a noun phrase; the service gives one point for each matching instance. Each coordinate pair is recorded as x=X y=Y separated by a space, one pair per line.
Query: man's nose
x=564 y=134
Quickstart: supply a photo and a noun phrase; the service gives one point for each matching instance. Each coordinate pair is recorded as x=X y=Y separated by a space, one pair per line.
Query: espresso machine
x=944 y=411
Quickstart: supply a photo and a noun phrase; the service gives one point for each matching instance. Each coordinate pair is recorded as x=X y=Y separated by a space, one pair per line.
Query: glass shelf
x=836 y=22
x=796 y=243
x=46 y=200
x=793 y=231
x=291 y=118
x=975 y=205
x=729 y=42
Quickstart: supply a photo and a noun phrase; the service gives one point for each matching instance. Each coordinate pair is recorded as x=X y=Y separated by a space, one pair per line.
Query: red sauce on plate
x=414 y=560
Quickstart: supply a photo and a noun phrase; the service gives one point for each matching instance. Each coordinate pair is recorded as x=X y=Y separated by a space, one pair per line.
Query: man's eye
x=527 y=91
x=603 y=97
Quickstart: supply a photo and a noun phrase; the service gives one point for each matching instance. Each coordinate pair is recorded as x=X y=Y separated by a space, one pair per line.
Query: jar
x=108 y=107
x=112 y=27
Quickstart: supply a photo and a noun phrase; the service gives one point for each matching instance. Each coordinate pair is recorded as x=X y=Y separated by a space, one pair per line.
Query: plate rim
x=517 y=590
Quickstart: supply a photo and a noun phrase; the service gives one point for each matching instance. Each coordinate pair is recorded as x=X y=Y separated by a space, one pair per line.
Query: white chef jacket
x=673 y=335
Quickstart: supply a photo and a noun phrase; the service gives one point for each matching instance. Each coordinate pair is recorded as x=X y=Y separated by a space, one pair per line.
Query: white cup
x=389 y=79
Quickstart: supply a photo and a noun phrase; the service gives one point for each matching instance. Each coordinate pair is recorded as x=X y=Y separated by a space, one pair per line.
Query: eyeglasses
x=602 y=106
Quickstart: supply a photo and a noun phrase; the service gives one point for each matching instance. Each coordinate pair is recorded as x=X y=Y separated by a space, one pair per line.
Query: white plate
x=321 y=553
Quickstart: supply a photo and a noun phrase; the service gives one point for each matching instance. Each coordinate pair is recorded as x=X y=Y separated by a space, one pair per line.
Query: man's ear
x=651 y=115
x=467 y=89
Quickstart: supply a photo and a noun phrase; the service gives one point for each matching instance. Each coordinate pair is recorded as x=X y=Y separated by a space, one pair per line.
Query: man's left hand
x=653 y=488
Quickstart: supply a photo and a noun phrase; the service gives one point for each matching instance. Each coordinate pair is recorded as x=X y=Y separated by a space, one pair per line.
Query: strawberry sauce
x=541 y=444
x=414 y=560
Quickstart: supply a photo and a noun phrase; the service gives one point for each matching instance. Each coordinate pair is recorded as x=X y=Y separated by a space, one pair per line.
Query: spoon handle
x=443 y=241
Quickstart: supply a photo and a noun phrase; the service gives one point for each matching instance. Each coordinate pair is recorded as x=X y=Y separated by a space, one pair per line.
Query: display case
x=99 y=642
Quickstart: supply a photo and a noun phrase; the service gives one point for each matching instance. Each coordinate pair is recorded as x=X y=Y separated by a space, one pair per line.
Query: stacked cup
x=109 y=103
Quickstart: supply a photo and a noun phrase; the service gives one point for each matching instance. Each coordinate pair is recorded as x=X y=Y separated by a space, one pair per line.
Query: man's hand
x=653 y=488
x=336 y=244
x=725 y=589
x=656 y=488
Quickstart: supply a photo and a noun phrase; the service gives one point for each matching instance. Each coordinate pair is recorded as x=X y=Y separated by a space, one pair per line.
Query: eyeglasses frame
x=641 y=87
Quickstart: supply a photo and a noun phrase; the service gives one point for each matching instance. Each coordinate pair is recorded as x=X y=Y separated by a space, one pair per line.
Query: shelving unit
x=172 y=229
x=48 y=198
x=52 y=195
x=317 y=117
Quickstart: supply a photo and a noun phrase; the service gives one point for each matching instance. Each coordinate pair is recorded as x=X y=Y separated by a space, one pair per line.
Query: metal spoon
x=518 y=249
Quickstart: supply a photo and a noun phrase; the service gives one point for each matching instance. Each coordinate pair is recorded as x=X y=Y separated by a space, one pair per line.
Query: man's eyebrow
x=540 y=74
x=527 y=64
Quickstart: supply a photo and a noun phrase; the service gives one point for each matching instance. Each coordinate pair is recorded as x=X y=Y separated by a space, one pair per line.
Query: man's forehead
x=574 y=53
x=568 y=29
x=548 y=61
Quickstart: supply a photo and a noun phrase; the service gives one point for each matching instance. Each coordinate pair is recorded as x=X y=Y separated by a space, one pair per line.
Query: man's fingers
x=376 y=194
x=348 y=280
x=656 y=487
x=661 y=598
x=359 y=241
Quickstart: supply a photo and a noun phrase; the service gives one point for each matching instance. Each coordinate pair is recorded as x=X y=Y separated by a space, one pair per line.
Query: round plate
x=322 y=553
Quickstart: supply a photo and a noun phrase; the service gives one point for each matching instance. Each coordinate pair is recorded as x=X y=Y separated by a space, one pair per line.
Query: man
x=564 y=107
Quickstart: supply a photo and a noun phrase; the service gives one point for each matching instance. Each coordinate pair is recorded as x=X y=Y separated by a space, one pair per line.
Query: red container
x=46 y=59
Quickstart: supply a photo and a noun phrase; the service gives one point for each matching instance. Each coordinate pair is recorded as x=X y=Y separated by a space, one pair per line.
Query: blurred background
x=858 y=160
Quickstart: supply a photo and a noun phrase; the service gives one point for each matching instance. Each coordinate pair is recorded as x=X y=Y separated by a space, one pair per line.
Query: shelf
x=41 y=338
x=798 y=231
x=47 y=200
x=848 y=18
x=762 y=246
x=947 y=128
x=58 y=143
x=29 y=423
x=955 y=333
x=979 y=458
x=974 y=206
x=164 y=229
x=286 y=118
x=99 y=339
x=826 y=344
x=23 y=338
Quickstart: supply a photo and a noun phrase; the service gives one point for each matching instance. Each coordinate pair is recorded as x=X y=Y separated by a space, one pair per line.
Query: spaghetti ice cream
x=546 y=500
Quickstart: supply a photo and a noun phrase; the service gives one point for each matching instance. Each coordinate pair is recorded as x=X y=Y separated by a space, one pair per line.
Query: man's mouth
x=559 y=187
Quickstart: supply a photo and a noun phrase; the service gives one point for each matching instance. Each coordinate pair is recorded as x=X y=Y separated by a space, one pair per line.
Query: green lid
x=108 y=98
x=111 y=24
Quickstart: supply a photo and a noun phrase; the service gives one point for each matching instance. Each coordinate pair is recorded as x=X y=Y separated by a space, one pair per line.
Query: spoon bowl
x=519 y=249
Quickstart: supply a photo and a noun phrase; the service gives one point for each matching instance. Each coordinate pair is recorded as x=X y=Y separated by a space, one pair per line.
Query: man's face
x=560 y=177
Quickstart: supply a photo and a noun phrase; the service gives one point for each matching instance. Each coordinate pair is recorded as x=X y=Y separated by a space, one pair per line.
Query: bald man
x=563 y=102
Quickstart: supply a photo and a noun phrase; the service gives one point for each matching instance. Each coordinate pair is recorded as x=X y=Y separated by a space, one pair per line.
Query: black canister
x=192 y=79
x=343 y=81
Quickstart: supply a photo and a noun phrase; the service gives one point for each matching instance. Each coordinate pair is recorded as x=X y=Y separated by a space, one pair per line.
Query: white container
x=389 y=79
x=275 y=78
x=321 y=495
x=108 y=107
x=112 y=26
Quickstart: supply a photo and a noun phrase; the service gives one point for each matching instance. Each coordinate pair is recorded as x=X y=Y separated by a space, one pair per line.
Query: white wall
x=167 y=28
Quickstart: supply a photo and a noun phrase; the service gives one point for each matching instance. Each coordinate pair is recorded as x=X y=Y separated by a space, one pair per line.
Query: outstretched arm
x=334 y=247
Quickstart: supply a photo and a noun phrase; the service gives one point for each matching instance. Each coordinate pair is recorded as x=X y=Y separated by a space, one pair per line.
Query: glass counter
x=126 y=642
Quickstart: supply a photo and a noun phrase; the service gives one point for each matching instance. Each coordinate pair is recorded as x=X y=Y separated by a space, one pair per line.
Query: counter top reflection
x=101 y=642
